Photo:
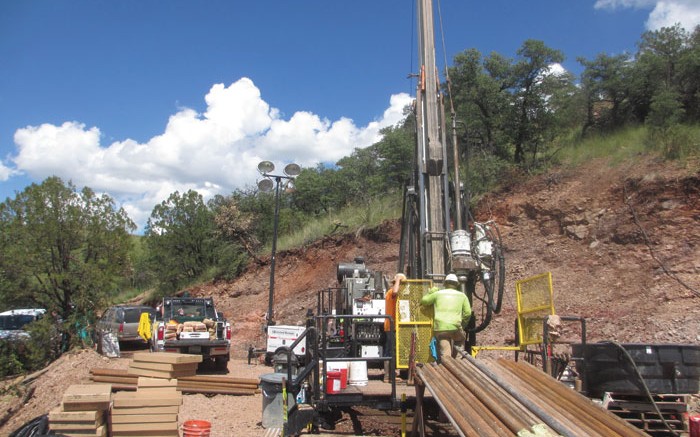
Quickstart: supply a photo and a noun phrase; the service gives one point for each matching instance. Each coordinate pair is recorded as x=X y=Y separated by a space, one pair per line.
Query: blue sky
x=139 y=98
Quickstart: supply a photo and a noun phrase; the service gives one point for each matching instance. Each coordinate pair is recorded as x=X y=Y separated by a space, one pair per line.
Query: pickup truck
x=191 y=325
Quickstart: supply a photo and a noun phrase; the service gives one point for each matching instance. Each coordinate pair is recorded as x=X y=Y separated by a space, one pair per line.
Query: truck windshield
x=15 y=321
x=188 y=310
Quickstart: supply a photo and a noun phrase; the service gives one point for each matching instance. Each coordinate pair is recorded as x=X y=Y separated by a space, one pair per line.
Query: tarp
x=144 y=329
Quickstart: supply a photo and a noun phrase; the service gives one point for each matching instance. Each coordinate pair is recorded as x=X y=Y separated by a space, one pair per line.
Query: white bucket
x=358 y=373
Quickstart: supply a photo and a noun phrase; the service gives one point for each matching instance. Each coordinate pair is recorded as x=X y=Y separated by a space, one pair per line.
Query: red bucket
x=333 y=381
x=694 y=425
x=196 y=428
x=344 y=378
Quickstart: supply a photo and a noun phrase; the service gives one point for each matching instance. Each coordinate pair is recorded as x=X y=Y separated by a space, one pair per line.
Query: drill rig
x=439 y=235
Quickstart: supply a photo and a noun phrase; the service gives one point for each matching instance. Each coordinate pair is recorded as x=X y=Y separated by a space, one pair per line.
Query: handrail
x=316 y=352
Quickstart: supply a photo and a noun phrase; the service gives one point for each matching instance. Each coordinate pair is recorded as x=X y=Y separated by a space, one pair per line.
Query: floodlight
x=292 y=169
x=266 y=167
x=265 y=184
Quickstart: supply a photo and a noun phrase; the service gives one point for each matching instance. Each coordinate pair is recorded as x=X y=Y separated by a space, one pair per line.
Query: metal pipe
x=461 y=408
x=583 y=404
x=465 y=412
x=550 y=420
x=271 y=297
x=492 y=397
x=463 y=428
x=511 y=413
x=472 y=403
x=541 y=397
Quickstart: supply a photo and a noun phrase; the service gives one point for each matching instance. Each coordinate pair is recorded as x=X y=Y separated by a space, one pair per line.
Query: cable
x=648 y=244
x=644 y=385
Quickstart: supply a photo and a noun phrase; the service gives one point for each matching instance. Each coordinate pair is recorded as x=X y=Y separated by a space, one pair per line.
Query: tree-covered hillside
x=69 y=250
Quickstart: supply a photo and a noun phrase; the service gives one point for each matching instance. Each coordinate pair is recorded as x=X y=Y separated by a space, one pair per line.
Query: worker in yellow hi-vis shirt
x=451 y=312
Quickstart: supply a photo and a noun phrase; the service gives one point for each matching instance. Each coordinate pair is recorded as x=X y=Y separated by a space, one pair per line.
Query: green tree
x=479 y=93
x=316 y=191
x=63 y=249
x=689 y=73
x=235 y=224
x=180 y=238
x=396 y=145
x=605 y=82
x=532 y=84
x=658 y=67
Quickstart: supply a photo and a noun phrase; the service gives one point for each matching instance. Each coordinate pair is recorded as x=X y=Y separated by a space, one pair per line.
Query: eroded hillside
x=622 y=243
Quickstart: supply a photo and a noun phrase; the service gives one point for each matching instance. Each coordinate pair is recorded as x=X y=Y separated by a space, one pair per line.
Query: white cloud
x=556 y=69
x=663 y=14
x=213 y=152
x=5 y=172
x=667 y=14
x=613 y=4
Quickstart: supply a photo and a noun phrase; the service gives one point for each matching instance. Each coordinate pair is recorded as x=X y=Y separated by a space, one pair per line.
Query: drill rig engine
x=361 y=293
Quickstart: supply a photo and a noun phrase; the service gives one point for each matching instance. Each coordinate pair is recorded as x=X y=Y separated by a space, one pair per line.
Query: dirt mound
x=43 y=391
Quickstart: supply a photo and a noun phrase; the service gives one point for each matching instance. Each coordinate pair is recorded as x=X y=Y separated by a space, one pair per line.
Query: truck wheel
x=221 y=363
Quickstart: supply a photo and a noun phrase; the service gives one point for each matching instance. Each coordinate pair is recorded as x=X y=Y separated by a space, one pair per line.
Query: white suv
x=12 y=322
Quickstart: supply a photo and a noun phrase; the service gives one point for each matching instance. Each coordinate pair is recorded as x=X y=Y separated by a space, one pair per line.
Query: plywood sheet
x=99 y=432
x=59 y=415
x=145 y=381
x=144 y=418
x=76 y=426
x=87 y=393
x=136 y=399
x=160 y=373
x=161 y=427
x=167 y=367
x=85 y=406
x=126 y=410
x=166 y=357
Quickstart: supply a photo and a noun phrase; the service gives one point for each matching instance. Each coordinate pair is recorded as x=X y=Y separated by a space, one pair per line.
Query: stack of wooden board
x=150 y=411
x=82 y=411
x=119 y=378
x=216 y=384
x=164 y=364
x=213 y=384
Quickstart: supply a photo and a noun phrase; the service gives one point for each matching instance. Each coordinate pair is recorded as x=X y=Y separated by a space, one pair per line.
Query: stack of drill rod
x=502 y=397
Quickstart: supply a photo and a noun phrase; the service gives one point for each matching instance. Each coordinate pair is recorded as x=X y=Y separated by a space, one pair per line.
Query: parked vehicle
x=191 y=325
x=14 y=322
x=123 y=321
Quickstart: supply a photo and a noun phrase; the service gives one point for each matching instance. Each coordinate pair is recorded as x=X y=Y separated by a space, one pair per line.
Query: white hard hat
x=452 y=278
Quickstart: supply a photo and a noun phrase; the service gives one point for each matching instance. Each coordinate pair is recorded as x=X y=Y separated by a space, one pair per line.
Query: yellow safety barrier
x=413 y=323
x=535 y=301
